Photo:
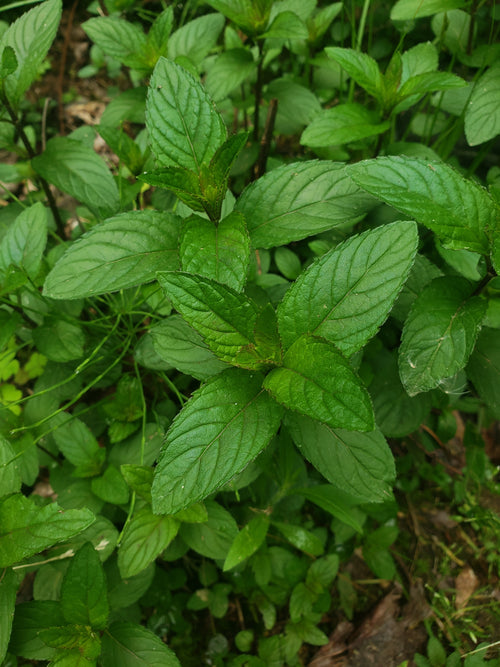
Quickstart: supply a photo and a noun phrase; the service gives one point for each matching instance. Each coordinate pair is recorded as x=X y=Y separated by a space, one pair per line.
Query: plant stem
x=32 y=154
x=258 y=91
x=265 y=142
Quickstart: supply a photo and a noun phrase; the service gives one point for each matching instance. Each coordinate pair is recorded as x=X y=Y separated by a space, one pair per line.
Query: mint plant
x=210 y=375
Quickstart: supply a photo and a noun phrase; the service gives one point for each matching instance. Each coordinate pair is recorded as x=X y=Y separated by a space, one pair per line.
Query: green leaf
x=459 y=211
x=301 y=538
x=8 y=62
x=78 y=444
x=248 y=540
x=213 y=538
x=298 y=200
x=334 y=501
x=484 y=368
x=297 y=105
x=124 y=592
x=145 y=537
x=183 y=348
x=73 y=657
x=182 y=182
x=139 y=478
x=223 y=317
x=348 y=307
x=225 y=424
x=439 y=334
x=219 y=252
x=130 y=645
x=8 y=590
x=361 y=464
x=228 y=72
x=184 y=127
x=196 y=39
x=286 y=25
x=159 y=33
x=59 y=340
x=30 y=37
x=429 y=82
x=409 y=10
x=83 y=593
x=10 y=474
x=30 y=619
x=124 y=146
x=317 y=381
x=118 y=38
x=342 y=124
x=26 y=529
x=125 y=251
x=77 y=170
x=111 y=487
x=359 y=66
x=224 y=157
x=25 y=240
x=482 y=114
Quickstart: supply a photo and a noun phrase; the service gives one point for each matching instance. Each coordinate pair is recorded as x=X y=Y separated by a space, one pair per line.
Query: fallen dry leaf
x=465 y=585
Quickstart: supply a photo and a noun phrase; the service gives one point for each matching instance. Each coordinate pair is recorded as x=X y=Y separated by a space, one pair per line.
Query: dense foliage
x=232 y=349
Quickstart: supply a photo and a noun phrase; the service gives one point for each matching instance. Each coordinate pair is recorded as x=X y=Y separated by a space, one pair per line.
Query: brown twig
x=62 y=67
x=265 y=142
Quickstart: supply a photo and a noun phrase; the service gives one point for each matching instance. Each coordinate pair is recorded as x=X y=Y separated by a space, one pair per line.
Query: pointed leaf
x=459 y=211
x=317 y=381
x=224 y=318
x=342 y=124
x=348 y=307
x=213 y=537
x=26 y=528
x=196 y=39
x=219 y=252
x=228 y=72
x=439 y=334
x=118 y=38
x=125 y=251
x=76 y=169
x=130 y=645
x=30 y=37
x=25 y=240
x=184 y=127
x=8 y=590
x=301 y=538
x=335 y=502
x=182 y=347
x=10 y=473
x=360 y=66
x=428 y=82
x=286 y=25
x=78 y=444
x=83 y=593
x=409 y=10
x=484 y=368
x=182 y=182
x=360 y=464
x=30 y=619
x=223 y=427
x=145 y=537
x=248 y=540
x=482 y=114
x=300 y=199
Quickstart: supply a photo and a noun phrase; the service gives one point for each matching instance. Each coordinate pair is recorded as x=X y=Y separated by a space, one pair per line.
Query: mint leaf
x=214 y=537
x=8 y=590
x=223 y=427
x=10 y=474
x=219 y=252
x=482 y=114
x=196 y=39
x=184 y=127
x=78 y=444
x=409 y=10
x=348 y=306
x=360 y=464
x=361 y=67
x=83 y=593
x=317 y=381
x=459 y=211
x=183 y=348
x=118 y=38
x=76 y=169
x=124 y=252
x=30 y=619
x=342 y=124
x=224 y=318
x=228 y=72
x=24 y=241
x=130 y=645
x=301 y=538
x=297 y=200
x=145 y=537
x=439 y=333
x=26 y=528
x=335 y=502
x=30 y=37
x=484 y=368
x=247 y=541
